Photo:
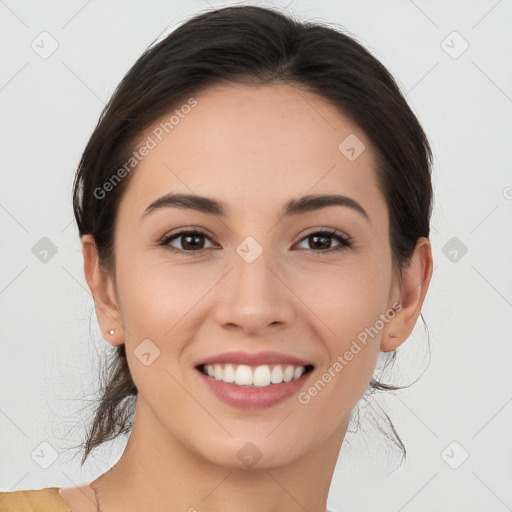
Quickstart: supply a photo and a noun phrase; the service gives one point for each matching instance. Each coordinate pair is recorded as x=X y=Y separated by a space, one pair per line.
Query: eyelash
x=345 y=242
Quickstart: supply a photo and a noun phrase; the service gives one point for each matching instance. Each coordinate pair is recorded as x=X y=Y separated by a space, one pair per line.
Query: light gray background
x=50 y=341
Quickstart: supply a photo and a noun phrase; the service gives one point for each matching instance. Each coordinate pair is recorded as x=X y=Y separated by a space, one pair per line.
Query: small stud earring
x=392 y=335
x=111 y=332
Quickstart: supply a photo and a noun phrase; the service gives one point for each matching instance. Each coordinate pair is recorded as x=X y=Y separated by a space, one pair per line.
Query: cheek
x=156 y=295
x=352 y=307
x=157 y=303
x=348 y=298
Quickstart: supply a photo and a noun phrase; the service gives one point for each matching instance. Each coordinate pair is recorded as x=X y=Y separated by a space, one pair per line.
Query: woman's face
x=255 y=279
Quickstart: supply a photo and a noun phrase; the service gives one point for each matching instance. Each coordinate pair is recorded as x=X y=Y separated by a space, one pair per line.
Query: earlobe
x=412 y=289
x=102 y=290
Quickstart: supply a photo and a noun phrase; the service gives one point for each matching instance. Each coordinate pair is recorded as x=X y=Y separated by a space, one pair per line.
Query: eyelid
x=332 y=231
x=204 y=231
x=184 y=230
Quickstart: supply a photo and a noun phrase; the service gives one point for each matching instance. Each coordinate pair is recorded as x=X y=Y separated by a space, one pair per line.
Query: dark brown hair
x=248 y=45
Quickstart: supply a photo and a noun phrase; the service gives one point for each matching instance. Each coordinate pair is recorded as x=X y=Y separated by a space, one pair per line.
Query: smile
x=259 y=376
x=254 y=380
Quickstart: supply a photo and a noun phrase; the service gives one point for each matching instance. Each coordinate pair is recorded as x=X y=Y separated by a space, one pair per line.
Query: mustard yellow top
x=40 y=500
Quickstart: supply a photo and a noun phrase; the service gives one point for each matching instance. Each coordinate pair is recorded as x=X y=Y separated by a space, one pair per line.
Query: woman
x=254 y=211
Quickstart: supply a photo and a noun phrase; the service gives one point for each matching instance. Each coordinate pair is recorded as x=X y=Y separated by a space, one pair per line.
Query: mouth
x=250 y=380
x=262 y=376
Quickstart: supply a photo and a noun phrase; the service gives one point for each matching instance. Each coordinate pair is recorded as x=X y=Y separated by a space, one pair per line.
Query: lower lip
x=253 y=397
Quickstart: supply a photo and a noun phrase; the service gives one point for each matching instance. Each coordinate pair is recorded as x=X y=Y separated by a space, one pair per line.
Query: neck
x=168 y=476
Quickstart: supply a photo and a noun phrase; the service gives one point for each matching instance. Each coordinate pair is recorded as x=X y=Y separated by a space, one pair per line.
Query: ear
x=103 y=291
x=410 y=289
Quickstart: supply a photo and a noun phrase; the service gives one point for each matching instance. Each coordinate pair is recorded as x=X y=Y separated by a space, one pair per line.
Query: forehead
x=255 y=145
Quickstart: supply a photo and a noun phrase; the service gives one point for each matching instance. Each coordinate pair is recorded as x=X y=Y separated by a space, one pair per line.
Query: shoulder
x=37 y=500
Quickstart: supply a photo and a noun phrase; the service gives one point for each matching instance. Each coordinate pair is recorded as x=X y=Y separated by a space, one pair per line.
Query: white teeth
x=229 y=373
x=243 y=375
x=288 y=373
x=277 y=375
x=296 y=373
x=260 y=376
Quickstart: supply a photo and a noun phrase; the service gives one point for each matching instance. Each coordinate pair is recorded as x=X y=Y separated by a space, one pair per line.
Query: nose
x=255 y=297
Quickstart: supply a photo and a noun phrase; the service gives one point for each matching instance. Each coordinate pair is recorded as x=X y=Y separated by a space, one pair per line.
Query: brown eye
x=191 y=241
x=320 y=241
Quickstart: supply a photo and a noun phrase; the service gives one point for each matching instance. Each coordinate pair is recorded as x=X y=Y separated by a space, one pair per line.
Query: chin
x=251 y=451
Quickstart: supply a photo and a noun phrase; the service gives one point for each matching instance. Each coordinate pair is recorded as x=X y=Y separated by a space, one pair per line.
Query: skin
x=264 y=146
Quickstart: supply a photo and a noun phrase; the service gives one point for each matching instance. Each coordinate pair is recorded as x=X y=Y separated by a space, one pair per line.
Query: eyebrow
x=211 y=206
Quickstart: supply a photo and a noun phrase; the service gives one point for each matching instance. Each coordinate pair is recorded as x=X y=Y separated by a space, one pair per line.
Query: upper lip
x=254 y=359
